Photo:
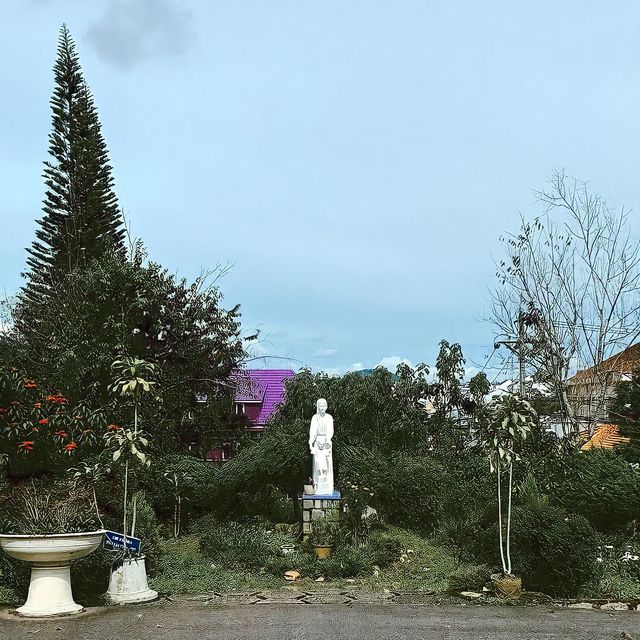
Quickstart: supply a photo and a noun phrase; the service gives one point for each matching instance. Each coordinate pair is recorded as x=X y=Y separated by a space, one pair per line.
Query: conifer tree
x=82 y=220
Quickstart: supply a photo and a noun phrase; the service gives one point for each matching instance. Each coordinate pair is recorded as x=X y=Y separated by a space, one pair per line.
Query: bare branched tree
x=574 y=274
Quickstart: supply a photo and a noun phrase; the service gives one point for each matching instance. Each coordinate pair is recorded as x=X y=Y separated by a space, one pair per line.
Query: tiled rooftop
x=265 y=386
x=606 y=436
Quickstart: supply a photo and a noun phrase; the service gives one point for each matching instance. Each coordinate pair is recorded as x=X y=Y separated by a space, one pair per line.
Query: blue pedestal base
x=322 y=496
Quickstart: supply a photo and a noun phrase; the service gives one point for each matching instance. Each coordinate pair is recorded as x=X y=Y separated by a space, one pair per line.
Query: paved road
x=336 y=622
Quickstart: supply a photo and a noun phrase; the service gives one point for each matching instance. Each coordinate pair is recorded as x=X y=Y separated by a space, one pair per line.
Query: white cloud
x=324 y=353
x=332 y=371
x=391 y=362
x=469 y=372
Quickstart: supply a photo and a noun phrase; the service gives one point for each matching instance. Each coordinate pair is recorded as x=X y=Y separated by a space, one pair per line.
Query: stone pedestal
x=319 y=507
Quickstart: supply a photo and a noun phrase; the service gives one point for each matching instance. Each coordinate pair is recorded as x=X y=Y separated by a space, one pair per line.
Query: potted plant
x=309 y=487
x=323 y=537
x=502 y=432
x=128 y=581
x=49 y=520
x=51 y=524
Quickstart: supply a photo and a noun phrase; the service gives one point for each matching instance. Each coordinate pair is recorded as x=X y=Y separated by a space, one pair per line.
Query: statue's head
x=321 y=406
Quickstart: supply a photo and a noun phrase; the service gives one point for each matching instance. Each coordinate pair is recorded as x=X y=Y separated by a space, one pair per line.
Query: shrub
x=303 y=562
x=601 y=486
x=409 y=493
x=14 y=579
x=47 y=507
x=469 y=578
x=239 y=544
x=383 y=548
x=325 y=533
x=345 y=562
x=554 y=551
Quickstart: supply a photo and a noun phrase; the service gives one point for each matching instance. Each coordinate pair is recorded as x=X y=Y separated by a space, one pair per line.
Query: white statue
x=320 y=434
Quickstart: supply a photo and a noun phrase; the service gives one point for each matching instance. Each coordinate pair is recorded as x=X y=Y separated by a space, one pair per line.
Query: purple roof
x=265 y=386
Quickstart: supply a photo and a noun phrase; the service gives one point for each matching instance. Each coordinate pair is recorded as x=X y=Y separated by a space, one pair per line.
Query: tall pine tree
x=82 y=220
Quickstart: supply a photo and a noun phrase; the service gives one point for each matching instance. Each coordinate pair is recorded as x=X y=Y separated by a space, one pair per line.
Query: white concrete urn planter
x=128 y=582
x=50 y=556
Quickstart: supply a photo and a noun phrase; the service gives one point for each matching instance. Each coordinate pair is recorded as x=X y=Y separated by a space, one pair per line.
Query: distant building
x=591 y=390
x=258 y=393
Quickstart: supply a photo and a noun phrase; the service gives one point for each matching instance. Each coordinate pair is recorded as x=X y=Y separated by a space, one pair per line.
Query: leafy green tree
x=479 y=387
x=450 y=371
x=510 y=422
x=119 y=306
x=82 y=219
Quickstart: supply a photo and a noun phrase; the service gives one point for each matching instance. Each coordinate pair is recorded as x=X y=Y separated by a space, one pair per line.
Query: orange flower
x=3 y=410
x=35 y=429
x=30 y=384
x=56 y=399
x=43 y=421
x=26 y=445
x=70 y=447
x=113 y=427
x=61 y=434
x=37 y=405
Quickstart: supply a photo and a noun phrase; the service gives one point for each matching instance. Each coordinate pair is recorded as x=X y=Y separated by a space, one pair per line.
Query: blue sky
x=355 y=161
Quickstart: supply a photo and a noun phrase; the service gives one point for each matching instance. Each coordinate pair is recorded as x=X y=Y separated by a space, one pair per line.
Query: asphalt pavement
x=202 y=621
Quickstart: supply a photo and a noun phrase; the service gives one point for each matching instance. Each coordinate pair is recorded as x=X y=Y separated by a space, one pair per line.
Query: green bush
x=409 y=492
x=552 y=550
x=383 y=548
x=601 y=486
x=90 y=576
x=469 y=578
x=244 y=545
x=302 y=561
x=14 y=579
x=345 y=562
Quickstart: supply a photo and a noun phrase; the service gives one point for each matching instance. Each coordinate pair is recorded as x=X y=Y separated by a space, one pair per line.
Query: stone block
x=307 y=504
x=317 y=514
x=317 y=504
x=306 y=527
x=306 y=515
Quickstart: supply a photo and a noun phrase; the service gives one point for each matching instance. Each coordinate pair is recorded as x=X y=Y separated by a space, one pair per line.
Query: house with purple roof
x=258 y=393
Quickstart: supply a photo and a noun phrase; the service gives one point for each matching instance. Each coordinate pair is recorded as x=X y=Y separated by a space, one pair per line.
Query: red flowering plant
x=43 y=432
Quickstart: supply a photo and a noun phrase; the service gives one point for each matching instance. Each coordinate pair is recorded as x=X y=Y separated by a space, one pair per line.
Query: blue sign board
x=115 y=542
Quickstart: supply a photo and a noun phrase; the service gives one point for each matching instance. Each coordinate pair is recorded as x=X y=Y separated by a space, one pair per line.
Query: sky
x=354 y=162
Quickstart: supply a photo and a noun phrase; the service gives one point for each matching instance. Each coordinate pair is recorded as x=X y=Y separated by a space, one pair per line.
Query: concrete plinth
x=319 y=507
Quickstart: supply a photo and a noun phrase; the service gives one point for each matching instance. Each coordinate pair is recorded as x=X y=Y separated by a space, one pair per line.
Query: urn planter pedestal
x=128 y=582
x=50 y=556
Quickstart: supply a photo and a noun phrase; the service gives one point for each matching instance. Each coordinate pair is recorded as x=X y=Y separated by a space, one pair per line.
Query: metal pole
x=521 y=340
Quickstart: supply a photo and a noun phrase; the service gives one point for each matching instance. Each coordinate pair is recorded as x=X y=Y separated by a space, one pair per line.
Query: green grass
x=182 y=568
x=613 y=586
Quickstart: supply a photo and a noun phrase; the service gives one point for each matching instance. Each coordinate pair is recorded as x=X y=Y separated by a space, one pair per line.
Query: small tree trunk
x=133 y=517
x=504 y=565
x=509 y=518
x=126 y=489
x=95 y=502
